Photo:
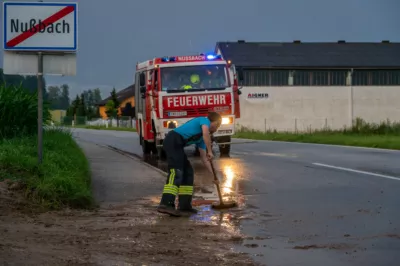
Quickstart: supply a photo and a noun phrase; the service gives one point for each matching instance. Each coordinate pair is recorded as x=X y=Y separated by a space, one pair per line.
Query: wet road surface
x=300 y=204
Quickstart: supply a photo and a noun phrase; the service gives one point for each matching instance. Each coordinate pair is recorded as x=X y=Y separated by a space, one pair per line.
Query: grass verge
x=385 y=135
x=371 y=141
x=63 y=179
x=106 y=128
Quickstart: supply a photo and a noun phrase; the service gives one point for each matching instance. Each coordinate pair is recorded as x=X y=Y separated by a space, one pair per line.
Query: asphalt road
x=304 y=204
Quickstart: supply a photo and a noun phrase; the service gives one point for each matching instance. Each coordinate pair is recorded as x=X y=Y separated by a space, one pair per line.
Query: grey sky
x=114 y=35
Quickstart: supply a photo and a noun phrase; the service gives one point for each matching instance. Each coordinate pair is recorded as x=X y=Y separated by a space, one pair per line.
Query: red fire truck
x=170 y=91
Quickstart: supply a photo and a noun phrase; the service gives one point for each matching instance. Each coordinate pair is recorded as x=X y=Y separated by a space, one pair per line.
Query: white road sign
x=40 y=26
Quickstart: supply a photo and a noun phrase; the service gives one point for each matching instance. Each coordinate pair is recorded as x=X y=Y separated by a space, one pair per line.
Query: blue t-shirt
x=193 y=132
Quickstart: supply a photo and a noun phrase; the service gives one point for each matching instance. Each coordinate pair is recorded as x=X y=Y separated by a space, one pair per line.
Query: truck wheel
x=161 y=154
x=140 y=133
x=225 y=150
x=146 y=147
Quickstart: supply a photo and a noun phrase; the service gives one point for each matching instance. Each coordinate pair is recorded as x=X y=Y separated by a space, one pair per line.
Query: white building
x=302 y=86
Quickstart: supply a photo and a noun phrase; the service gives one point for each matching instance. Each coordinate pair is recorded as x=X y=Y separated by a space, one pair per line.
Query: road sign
x=40 y=26
x=57 y=64
x=43 y=31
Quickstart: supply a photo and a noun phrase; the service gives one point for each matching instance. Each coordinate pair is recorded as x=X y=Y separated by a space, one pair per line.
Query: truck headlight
x=170 y=124
x=227 y=120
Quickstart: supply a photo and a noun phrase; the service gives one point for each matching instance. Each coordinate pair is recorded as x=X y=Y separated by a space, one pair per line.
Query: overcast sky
x=114 y=35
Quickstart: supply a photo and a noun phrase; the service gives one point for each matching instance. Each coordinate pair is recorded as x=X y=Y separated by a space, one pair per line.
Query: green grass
x=63 y=179
x=385 y=135
x=18 y=112
x=106 y=128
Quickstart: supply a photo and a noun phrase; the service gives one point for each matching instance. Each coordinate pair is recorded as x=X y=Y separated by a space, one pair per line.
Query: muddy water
x=123 y=234
x=232 y=174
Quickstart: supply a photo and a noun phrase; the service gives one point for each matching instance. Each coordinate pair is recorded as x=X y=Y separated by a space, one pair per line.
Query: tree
x=114 y=98
x=64 y=98
x=28 y=82
x=75 y=105
x=81 y=109
x=128 y=110
x=111 y=111
x=1 y=77
x=116 y=104
x=54 y=95
x=96 y=95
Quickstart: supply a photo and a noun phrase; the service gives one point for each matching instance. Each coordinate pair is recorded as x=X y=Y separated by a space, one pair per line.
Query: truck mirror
x=239 y=92
x=240 y=74
x=142 y=81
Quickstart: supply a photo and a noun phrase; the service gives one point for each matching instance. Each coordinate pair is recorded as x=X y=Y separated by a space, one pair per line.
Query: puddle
x=231 y=172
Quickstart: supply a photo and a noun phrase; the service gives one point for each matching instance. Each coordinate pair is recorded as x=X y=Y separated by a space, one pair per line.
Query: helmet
x=195 y=79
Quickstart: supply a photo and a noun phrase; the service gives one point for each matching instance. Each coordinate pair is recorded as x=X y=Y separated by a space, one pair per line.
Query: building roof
x=298 y=54
x=121 y=95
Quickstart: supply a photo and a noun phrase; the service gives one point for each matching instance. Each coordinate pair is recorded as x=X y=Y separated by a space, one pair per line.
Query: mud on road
x=132 y=233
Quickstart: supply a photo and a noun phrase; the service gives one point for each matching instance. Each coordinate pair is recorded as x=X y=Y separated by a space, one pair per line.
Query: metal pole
x=351 y=100
x=40 y=107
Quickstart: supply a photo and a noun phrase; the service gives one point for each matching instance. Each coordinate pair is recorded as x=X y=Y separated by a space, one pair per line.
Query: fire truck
x=169 y=91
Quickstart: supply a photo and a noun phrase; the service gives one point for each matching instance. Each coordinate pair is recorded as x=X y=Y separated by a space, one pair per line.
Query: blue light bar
x=212 y=57
x=168 y=59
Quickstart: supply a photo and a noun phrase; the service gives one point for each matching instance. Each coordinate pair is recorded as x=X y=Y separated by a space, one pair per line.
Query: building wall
x=57 y=115
x=102 y=109
x=291 y=108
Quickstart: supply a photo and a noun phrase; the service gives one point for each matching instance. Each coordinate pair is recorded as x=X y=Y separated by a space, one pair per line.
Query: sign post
x=40 y=38
x=40 y=107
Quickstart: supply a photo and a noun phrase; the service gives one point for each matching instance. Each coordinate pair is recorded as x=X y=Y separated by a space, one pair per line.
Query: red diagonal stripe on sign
x=35 y=29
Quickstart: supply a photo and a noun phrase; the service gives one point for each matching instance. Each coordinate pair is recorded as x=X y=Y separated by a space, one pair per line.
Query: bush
x=360 y=127
x=79 y=120
x=18 y=112
x=63 y=179
x=383 y=128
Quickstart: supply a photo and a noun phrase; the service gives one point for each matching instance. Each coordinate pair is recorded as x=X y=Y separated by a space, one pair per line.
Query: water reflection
x=232 y=179
x=226 y=219
x=229 y=176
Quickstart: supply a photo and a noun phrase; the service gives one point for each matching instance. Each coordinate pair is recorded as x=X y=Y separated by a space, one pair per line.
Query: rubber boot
x=185 y=205
x=169 y=210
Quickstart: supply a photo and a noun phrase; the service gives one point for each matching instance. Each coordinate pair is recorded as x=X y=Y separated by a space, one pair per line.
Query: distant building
x=308 y=83
x=124 y=96
x=315 y=64
x=57 y=115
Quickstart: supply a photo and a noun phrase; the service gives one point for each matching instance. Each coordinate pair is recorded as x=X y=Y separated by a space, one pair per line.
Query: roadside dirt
x=129 y=234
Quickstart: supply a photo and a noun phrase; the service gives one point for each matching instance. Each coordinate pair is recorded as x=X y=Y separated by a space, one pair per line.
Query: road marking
x=357 y=171
x=255 y=153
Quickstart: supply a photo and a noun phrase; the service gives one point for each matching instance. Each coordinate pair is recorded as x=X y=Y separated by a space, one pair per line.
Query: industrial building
x=314 y=82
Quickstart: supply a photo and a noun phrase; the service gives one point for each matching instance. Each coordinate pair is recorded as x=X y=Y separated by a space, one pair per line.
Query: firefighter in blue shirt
x=180 y=172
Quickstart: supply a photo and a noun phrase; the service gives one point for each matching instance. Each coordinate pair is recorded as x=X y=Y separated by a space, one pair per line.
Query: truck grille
x=199 y=111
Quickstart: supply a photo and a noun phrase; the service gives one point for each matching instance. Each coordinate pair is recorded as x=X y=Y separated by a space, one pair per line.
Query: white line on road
x=357 y=171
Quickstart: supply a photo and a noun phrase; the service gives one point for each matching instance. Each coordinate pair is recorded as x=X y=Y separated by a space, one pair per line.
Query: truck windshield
x=193 y=78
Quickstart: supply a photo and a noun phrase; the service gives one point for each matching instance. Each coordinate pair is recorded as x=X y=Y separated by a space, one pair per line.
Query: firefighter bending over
x=180 y=172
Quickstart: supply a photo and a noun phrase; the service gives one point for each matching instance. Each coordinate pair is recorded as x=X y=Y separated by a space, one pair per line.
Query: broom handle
x=216 y=179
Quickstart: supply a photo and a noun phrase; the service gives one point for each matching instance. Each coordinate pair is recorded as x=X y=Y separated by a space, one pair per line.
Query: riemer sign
x=40 y=26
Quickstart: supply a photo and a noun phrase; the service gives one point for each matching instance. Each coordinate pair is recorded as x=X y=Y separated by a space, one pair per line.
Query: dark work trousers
x=180 y=173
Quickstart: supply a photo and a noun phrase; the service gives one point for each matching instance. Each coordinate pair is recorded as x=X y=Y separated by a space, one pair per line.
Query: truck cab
x=172 y=90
